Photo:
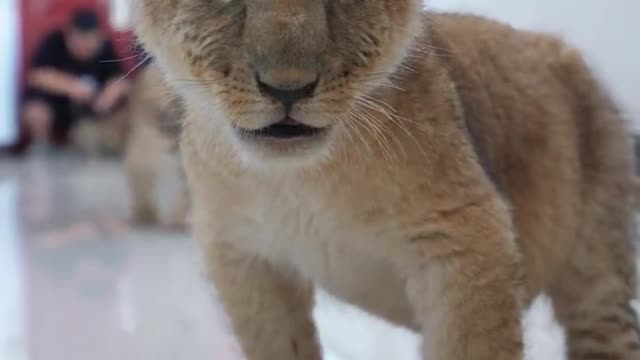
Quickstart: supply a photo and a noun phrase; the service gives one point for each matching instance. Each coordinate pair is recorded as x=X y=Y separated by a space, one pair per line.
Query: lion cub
x=155 y=126
x=437 y=170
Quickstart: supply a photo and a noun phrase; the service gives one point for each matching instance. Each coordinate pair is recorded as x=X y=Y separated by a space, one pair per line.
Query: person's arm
x=60 y=83
x=45 y=73
x=116 y=86
x=111 y=94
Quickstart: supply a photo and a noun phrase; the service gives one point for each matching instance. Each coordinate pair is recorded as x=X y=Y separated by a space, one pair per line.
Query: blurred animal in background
x=636 y=182
x=155 y=126
x=99 y=135
x=636 y=195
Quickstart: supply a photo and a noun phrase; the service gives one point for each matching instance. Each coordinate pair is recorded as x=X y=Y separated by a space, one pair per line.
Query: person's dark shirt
x=53 y=53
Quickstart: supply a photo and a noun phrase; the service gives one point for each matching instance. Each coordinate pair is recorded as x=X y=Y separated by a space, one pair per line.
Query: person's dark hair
x=84 y=20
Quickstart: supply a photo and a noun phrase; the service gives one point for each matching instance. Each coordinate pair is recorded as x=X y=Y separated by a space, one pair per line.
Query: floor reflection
x=12 y=329
x=84 y=285
x=77 y=282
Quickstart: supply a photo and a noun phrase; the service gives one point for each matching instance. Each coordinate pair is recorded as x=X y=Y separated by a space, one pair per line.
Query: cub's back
x=543 y=128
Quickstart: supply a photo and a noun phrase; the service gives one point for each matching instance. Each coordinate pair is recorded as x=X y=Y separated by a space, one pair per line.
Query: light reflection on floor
x=12 y=332
x=84 y=285
x=77 y=282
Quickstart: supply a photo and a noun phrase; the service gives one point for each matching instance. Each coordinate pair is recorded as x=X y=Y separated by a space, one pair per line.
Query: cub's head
x=281 y=79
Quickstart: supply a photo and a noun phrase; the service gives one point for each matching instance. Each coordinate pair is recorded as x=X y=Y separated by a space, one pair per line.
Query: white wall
x=8 y=70
x=607 y=31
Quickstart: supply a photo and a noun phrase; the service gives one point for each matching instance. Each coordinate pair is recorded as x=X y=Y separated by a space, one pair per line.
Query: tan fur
x=155 y=119
x=102 y=135
x=467 y=168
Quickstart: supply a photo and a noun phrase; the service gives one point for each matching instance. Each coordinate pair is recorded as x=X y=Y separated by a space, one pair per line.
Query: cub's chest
x=311 y=233
x=288 y=225
x=329 y=239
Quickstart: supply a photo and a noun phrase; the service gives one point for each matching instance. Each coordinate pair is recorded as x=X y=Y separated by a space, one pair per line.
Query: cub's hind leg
x=592 y=294
x=599 y=320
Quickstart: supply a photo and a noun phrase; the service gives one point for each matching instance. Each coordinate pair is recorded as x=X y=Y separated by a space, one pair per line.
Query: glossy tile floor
x=77 y=282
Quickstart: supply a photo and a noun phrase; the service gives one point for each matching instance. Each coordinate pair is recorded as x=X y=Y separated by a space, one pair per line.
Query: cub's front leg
x=270 y=310
x=463 y=274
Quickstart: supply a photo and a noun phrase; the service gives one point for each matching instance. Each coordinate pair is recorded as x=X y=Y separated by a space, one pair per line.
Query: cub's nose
x=287 y=92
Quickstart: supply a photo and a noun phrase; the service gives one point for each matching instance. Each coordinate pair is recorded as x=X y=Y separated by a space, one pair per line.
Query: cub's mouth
x=286 y=139
x=285 y=129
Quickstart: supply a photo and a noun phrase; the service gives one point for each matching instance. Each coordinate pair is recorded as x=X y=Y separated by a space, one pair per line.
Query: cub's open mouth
x=287 y=128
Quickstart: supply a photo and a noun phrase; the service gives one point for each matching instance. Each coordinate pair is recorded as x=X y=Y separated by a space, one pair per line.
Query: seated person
x=74 y=74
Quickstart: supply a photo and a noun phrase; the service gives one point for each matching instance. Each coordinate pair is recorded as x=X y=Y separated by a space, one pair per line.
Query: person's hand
x=104 y=102
x=81 y=91
x=109 y=97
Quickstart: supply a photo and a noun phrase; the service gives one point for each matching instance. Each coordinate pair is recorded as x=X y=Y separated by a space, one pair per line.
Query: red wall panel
x=39 y=17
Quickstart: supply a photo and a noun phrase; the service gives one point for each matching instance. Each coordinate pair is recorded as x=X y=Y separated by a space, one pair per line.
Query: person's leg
x=63 y=123
x=47 y=118
x=37 y=118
